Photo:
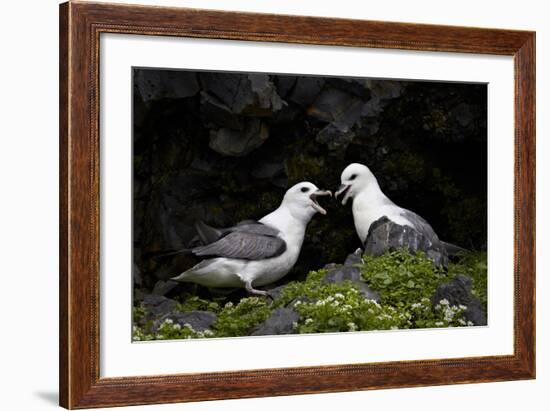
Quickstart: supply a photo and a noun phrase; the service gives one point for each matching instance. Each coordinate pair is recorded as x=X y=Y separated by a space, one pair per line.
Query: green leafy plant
x=236 y=320
x=405 y=283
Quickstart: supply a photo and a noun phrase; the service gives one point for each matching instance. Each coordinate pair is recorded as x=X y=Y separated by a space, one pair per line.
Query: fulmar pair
x=257 y=253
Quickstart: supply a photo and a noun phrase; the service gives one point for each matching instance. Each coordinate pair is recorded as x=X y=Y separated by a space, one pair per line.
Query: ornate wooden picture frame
x=81 y=24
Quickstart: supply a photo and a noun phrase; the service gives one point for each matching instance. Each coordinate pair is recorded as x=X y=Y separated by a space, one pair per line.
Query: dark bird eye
x=304 y=190
x=353 y=176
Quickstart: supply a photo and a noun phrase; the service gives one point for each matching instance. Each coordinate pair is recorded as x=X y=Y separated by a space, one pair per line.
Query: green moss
x=138 y=314
x=240 y=319
x=402 y=278
x=346 y=310
x=405 y=283
x=194 y=303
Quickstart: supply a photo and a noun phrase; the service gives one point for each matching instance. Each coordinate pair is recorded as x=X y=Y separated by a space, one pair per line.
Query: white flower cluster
x=450 y=312
x=352 y=326
x=202 y=334
x=373 y=302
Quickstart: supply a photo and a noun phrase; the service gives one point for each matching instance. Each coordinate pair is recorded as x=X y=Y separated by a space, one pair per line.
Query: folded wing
x=249 y=240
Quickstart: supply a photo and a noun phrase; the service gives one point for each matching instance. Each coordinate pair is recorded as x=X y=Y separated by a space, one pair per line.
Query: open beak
x=343 y=189
x=315 y=204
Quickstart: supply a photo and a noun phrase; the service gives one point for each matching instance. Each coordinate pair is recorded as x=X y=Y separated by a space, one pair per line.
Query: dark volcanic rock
x=199 y=320
x=335 y=140
x=214 y=112
x=164 y=287
x=354 y=258
x=158 y=84
x=239 y=143
x=266 y=95
x=280 y=322
x=157 y=305
x=284 y=84
x=353 y=274
x=342 y=111
x=337 y=107
x=385 y=235
x=268 y=170
x=137 y=275
x=458 y=292
x=276 y=292
x=306 y=89
x=252 y=94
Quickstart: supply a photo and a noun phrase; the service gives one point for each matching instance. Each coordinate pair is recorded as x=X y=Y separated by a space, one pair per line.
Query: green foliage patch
x=405 y=283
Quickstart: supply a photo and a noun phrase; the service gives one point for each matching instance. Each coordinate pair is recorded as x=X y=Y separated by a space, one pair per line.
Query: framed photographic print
x=258 y=205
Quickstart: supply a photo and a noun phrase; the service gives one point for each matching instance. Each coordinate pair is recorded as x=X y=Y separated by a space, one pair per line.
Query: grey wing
x=254 y=227
x=243 y=245
x=420 y=224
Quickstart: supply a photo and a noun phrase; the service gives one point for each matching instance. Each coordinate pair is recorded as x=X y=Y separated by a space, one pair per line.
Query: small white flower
x=229 y=304
x=462 y=307
x=416 y=305
x=188 y=326
x=444 y=302
x=439 y=324
x=394 y=327
x=352 y=326
x=335 y=303
x=176 y=327
x=208 y=333
x=461 y=321
x=339 y=295
x=308 y=320
x=160 y=337
x=169 y=321
x=470 y=324
x=294 y=324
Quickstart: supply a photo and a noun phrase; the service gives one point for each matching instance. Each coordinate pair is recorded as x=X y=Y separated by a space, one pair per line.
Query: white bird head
x=301 y=200
x=355 y=178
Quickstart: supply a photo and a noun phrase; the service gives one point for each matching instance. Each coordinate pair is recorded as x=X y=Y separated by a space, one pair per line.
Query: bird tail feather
x=207 y=233
x=453 y=250
x=172 y=252
x=182 y=277
x=193 y=272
